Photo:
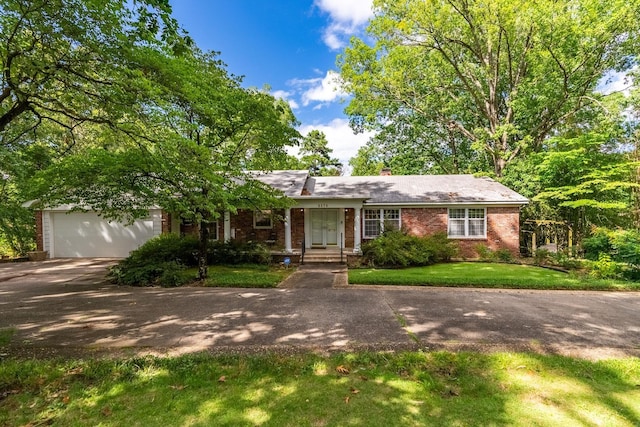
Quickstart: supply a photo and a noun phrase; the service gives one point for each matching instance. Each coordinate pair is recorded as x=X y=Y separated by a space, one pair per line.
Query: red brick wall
x=424 y=222
x=503 y=228
x=243 y=225
x=166 y=222
x=349 y=217
x=39 y=232
x=297 y=228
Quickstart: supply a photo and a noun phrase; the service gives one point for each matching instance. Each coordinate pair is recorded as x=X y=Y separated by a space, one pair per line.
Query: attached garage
x=86 y=234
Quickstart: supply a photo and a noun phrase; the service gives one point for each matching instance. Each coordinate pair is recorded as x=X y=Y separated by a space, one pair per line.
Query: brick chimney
x=385 y=172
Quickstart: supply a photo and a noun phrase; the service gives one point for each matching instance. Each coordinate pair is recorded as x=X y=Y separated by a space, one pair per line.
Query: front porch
x=328 y=228
x=329 y=255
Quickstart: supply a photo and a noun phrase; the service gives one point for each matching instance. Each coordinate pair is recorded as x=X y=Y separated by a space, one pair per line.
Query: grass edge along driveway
x=485 y=275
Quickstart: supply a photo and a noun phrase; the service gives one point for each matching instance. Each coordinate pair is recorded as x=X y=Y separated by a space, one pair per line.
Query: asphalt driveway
x=60 y=307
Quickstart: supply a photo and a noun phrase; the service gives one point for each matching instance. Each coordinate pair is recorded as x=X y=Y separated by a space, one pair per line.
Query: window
x=212 y=227
x=378 y=220
x=262 y=219
x=467 y=222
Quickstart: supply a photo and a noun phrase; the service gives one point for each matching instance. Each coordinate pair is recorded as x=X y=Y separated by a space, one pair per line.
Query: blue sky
x=289 y=45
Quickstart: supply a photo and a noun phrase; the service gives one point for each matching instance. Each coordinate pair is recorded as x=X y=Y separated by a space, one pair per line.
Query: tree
x=588 y=181
x=366 y=162
x=68 y=62
x=493 y=76
x=201 y=130
x=316 y=155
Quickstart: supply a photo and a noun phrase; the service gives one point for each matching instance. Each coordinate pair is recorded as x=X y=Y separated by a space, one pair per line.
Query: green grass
x=378 y=389
x=245 y=276
x=5 y=336
x=486 y=275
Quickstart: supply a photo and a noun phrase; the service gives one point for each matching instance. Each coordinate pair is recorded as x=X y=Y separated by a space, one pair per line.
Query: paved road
x=65 y=306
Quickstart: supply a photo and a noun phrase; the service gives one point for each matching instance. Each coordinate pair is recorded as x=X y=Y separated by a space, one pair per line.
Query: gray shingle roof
x=409 y=189
x=290 y=182
x=395 y=189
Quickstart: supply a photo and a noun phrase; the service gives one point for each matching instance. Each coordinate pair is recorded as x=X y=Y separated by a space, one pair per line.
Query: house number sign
x=323 y=205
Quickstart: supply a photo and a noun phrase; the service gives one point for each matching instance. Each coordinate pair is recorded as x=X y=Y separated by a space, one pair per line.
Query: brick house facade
x=326 y=212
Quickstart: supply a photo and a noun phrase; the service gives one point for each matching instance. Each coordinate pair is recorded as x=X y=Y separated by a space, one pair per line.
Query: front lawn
x=244 y=276
x=485 y=275
x=377 y=389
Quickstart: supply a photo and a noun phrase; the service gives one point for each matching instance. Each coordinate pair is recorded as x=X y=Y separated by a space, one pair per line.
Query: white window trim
x=381 y=220
x=263 y=227
x=466 y=223
x=214 y=225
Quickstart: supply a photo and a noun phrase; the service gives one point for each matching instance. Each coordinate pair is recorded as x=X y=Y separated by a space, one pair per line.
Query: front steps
x=324 y=256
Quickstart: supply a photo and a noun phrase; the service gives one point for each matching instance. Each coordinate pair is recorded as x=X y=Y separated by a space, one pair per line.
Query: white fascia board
x=447 y=205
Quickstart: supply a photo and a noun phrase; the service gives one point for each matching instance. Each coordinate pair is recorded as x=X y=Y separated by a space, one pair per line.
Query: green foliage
x=565 y=260
x=488 y=255
x=589 y=180
x=396 y=248
x=482 y=83
x=366 y=162
x=598 y=243
x=202 y=131
x=233 y=253
x=622 y=245
x=504 y=255
x=67 y=62
x=484 y=253
x=316 y=155
x=541 y=257
x=160 y=261
x=604 y=267
x=164 y=260
x=614 y=253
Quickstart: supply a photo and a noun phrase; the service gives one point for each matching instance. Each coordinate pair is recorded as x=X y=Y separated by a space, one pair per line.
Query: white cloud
x=616 y=81
x=356 y=12
x=341 y=139
x=285 y=96
x=321 y=89
x=347 y=18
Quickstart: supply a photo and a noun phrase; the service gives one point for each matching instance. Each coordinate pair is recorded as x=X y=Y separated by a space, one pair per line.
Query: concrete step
x=322 y=259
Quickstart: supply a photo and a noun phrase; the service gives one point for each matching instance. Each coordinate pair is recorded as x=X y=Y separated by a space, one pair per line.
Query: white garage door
x=85 y=234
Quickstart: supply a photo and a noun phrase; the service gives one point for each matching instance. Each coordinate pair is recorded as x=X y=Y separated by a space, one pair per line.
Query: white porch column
x=227 y=226
x=357 y=232
x=287 y=230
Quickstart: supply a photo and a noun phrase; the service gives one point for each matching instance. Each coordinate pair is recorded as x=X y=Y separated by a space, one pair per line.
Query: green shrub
x=233 y=253
x=161 y=259
x=604 y=268
x=598 y=243
x=396 y=248
x=625 y=246
x=620 y=246
x=484 y=253
x=504 y=255
x=442 y=247
x=563 y=259
x=541 y=257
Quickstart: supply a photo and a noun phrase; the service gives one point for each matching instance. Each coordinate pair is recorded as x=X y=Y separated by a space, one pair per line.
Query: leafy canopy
x=495 y=77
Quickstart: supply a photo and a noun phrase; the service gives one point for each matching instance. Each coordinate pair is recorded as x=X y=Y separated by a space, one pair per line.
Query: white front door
x=324 y=227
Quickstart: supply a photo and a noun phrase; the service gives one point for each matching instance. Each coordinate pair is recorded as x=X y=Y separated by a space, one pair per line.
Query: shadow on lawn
x=438 y=388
